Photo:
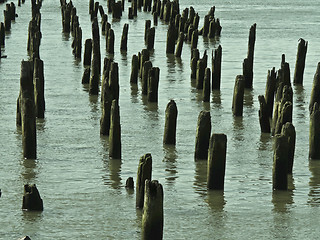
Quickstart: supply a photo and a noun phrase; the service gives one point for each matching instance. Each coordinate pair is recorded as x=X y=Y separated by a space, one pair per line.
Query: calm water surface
x=83 y=190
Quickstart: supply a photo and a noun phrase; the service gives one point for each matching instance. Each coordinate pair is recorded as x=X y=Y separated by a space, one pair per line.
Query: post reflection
x=314 y=183
x=170 y=158
x=200 y=177
x=283 y=200
x=216 y=200
x=216 y=98
x=113 y=166
x=29 y=170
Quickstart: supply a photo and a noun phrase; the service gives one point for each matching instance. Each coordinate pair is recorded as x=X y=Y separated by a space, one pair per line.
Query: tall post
x=144 y=173
x=203 y=136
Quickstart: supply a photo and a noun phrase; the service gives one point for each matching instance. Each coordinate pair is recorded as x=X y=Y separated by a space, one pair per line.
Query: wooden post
x=263 y=115
x=216 y=68
x=78 y=42
x=146 y=27
x=145 y=77
x=31 y=198
x=217 y=161
x=206 y=85
x=200 y=74
x=315 y=96
x=270 y=91
x=150 y=38
x=86 y=76
x=203 y=136
x=289 y=132
x=114 y=80
x=179 y=45
x=2 y=35
x=284 y=115
x=87 y=52
x=38 y=81
x=152 y=217
x=96 y=59
x=104 y=22
x=28 y=114
x=124 y=38
x=134 y=6
x=134 y=70
x=280 y=163
x=170 y=126
x=193 y=65
x=248 y=63
x=109 y=5
x=238 y=93
x=130 y=183
x=314 y=132
x=117 y=10
x=155 y=18
x=167 y=11
x=300 y=62
x=110 y=41
x=7 y=20
x=106 y=109
x=91 y=6
x=153 y=84
x=194 y=39
x=205 y=29
x=171 y=38
x=144 y=173
x=115 y=131
x=144 y=57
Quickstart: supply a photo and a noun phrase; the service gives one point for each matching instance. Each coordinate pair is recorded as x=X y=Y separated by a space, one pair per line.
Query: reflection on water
x=200 y=177
x=248 y=98
x=216 y=200
x=238 y=129
x=134 y=93
x=216 y=98
x=29 y=170
x=314 y=183
x=171 y=65
x=170 y=158
x=282 y=200
x=265 y=141
x=113 y=166
x=41 y=124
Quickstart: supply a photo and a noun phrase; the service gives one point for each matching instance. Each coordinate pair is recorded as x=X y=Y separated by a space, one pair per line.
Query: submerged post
x=170 y=126
x=217 y=161
x=152 y=217
x=144 y=173
x=31 y=198
x=203 y=136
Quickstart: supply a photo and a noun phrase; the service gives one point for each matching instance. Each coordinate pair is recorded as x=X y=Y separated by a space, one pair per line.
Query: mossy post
x=216 y=68
x=96 y=60
x=179 y=45
x=110 y=41
x=288 y=130
x=134 y=69
x=170 y=126
x=238 y=94
x=248 y=63
x=152 y=216
x=150 y=38
x=28 y=114
x=217 y=161
x=206 y=85
x=145 y=77
x=315 y=92
x=284 y=115
x=124 y=38
x=314 y=132
x=264 y=119
x=153 y=84
x=31 y=198
x=270 y=91
x=203 y=136
x=280 y=163
x=38 y=81
x=106 y=109
x=115 y=131
x=2 y=34
x=144 y=173
x=87 y=52
x=200 y=73
x=300 y=62
x=171 y=38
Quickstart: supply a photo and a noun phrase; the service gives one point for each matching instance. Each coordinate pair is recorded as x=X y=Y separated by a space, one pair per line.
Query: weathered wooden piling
x=314 y=132
x=300 y=62
x=94 y=13
x=115 y=131
x=134 y=6
x=96 y=60
x=124 y=38
x=288 y=130
x=217 y=161
x=145 y=77
x=114 y=80
x=153 y=84
x=109 y=5
x=315 y=92
x=38 y=81
x=117 y=10
x=27 y=111
x=86 y=76
x=155 y=18
x=31 y=198
x=66 y=17
x=147 y=5
x=19 y=3
x=170 y=126
x=194 y=39
x=248 y=63
x=264 y=119
x=130 y=13
x=144 y=173
x=77 y=44
x=280 y=163
x=171 y=38
x=130 y=183
x=110 y=41
x=179 y=45
x=101 y=11
x=87 y=52
x=91 y=6
x=2 y=34
x=152 y=216
x=134 y=69
x=145 y=55
x=106 y=109
x=7 y=20
x=270 y=91
x=206 y=85
x=238 y=94
x=146 y=27
x=216 y=68
x=150 y=38
x=201 y=66
x=203 y=136
x=284 y=112
x=74 y=18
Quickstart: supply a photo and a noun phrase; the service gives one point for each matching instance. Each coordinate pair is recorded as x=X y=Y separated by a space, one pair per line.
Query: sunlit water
x=83 y=190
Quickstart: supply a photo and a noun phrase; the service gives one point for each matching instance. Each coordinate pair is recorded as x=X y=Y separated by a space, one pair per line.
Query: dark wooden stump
x=144 y=173
x=31 y=198
x=134 y=70
x=288 y=130
x=216 y=68
x=110 y=41
x=153 y=84
x=38 y=81
x=2 y=34
x=124 y=38
x=194 y=39
x=264 y=116
x=179 y=45
x=248 y=63
x=171 y=38
x=86 y=76
x=115 y=131
x=238 y=94
x=206 y=85
x=150 y=38
x=117 y=10
x=300 y=62
x=314 y=132
x=280 y=163
x=170 y=126
x=146 y=27
x=96 y=60
x=315 y=92
x=203 y=136
x=270 y=91
x=87 y=52
x=201 y=66
x=144 y=56
x=145 y=76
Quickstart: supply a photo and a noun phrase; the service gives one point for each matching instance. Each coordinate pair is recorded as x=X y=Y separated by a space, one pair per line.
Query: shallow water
x=83 y=190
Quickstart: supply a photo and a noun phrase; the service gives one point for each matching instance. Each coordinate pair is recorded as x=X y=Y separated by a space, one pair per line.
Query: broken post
x=315 y=96
x=31 y=198
x=263 y=115
x=217 y=161
x=248 y=63
x=124 y=38
x=144 y=173
x=200 y=73
x=87 y=52
x=203 y=136
x=170 y=126
x=110 y=41
x=150 y=38
x=171 y=38
x=238 y=94
x=115 y=131
x=38 y=81
x=96 y=60
x=152 y=216
x=289 y=132
x=270 y=91
x=300 y=62
x=145 y=77
x=179 y=45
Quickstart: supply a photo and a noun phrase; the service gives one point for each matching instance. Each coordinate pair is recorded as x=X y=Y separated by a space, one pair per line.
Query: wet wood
x=115 y=131
x=264 y=119
x=238 y=94
x=87 y=52
x=300 y=62
x=216 y=68
x=144 y=173
x=315 y=92
x=96 y=60
x=145 y=77
x=38 y=81
x=134 y=70
x=288 y=130
x=206 y=85
x=270 y=91
x=31 y=198
x=280 y=163
x=86 y=76
x=248 y=62
x=170 y=126
x=179 y=45
x=314 y=132
x=201 y=66
x=150 y=38
x=124 y=38
x=153 y=84
x=203 y=136
x=110 y=41
x=171 y=38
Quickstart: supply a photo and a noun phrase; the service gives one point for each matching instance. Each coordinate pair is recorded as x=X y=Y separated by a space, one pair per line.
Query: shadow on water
x=41 y=124
x=200 y=177
x=314 y=183
x=65 y=36
x=265 y=141
x=170 y=157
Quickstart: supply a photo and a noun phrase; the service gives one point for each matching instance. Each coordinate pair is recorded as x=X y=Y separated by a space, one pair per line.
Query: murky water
x=83 y=190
